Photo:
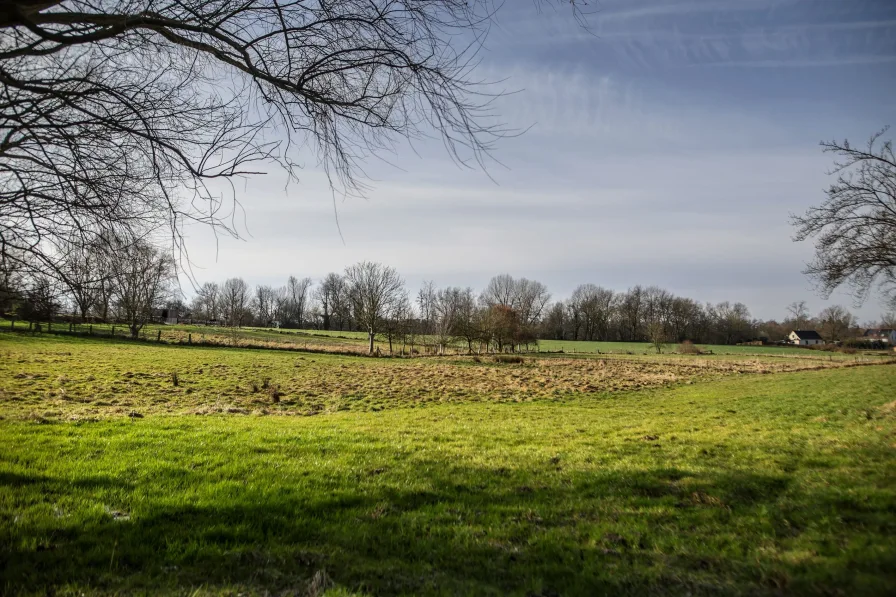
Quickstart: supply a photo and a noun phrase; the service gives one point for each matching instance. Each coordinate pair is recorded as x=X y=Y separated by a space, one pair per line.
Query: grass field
x=349 y=342
x=644 y=476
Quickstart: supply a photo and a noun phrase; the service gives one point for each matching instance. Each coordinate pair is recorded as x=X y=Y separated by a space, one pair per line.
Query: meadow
x=138 y=468
x=348 y=342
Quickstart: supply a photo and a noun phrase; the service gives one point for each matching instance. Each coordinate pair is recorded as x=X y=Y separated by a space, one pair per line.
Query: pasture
x=355 y=342
x=150 y=468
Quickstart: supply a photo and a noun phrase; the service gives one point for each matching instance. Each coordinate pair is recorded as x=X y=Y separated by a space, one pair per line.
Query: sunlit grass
x=733 y=484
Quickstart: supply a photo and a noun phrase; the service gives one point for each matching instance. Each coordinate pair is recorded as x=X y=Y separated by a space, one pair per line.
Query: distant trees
x=39 y=298
x=207 y=303
x=855 y=227
x=799 y=315
x=509 y=314
x=235 y=300
x=80 y=271
x=143 y=280
x=375 y=291
x=589 y=312
x=296 y=298
x=834 y=322
x=332 y=299
x=732 y=322
x=264 y=304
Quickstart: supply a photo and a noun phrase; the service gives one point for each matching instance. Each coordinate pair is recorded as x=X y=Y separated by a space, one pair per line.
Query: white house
x=805 y=337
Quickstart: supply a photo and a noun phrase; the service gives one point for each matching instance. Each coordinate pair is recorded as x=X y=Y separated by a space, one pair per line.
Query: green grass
x=732 y=484
x=341 y=341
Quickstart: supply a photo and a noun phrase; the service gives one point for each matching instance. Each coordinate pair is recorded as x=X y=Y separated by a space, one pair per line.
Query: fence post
x=189 y=338
x=159 y=338
x=12 y=323
x=113 y=331
x=90 y=330
x=49 y=326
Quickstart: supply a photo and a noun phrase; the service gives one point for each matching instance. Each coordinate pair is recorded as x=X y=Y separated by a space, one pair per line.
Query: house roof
x=807 y=335
x=879 y=332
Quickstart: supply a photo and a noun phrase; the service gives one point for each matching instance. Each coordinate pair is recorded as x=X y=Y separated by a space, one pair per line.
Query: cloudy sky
x=668 y=146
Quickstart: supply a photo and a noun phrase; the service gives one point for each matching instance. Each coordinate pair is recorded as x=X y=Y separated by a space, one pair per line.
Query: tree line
x=137 y=283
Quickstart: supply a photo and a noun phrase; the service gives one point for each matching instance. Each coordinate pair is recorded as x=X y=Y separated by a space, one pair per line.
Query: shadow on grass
x=468 y=531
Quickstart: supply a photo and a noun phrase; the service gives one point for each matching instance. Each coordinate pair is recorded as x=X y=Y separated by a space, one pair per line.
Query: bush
x=508 y=358
x=688 y=347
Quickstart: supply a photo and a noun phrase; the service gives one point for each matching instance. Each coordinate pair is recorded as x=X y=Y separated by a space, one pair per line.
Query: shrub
x=174 y=380
x=508 y=358
x=688 y=347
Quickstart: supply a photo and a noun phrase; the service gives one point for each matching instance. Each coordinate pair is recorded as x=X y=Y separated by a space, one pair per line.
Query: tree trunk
x=370 y=335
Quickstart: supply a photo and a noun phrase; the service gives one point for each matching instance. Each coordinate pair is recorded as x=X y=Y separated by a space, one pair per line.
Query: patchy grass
x=736 y=483
x=76 y=378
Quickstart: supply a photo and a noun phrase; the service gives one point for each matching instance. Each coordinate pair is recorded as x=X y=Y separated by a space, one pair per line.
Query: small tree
x=656 y=333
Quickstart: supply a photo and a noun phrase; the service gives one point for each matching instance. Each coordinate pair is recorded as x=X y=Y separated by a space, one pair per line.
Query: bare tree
x=263 y=304
x=532 y=298
x=527 y=298
x=657 y=333
x=855 y=227
x=501 y=290
x=835 y=321
x=297 y=294
x=426 y=301
x=235 y=299
x=375 y=291
x=468 y=318
x=142 y=278
x=397 y=323
x=114 y=116
x=80 y=272
x=799 y=314
x=207 y=302
x=446 y=309
x=330 y=295
x=888 y=320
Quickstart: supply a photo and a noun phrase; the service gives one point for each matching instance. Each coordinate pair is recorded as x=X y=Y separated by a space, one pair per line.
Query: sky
x=666 y=144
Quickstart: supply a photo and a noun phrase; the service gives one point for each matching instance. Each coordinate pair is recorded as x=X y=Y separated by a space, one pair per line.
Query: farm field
x=136 y=467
